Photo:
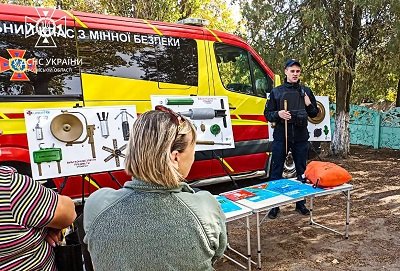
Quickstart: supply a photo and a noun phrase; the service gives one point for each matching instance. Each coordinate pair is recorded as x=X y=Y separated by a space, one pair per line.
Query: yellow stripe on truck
x=76 y=19
x=92 y=182
x=154 y=28
x=4 y=117
x=215 y=35
x=238 y=122
x=226 y=164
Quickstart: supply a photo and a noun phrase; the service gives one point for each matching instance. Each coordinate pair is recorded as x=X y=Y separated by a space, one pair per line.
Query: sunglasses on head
x=175 y=117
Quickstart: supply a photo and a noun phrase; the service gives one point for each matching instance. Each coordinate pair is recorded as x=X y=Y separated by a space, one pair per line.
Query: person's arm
x=208 y=212
x=223 y=237
x=271 y=109
x=64 y=214
x=311 y=103
x=34 y=205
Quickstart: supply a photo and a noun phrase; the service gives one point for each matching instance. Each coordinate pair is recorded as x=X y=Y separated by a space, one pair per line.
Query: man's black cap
x=291 y=62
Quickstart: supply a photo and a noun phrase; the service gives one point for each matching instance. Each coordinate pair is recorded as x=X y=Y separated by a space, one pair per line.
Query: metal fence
x=371 y=127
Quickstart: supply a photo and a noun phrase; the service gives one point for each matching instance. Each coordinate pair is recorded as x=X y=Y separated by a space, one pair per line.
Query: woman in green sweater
x=156 y=221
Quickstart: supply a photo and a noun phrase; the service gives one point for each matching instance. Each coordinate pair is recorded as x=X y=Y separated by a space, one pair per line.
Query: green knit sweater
x=149 y=227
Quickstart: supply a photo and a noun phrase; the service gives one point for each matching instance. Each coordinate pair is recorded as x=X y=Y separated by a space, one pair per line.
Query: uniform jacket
x=145 y=226
x=274 y=104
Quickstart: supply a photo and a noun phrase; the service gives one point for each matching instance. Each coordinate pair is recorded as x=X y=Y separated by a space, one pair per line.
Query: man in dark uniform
x=300 y=104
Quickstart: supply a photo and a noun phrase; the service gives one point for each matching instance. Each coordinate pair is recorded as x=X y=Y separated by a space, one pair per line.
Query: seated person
x=156 y=221
x=30 y=221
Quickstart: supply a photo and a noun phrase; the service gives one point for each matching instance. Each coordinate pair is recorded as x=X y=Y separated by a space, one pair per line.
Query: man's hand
x=307 y=99
x=53 y=236
x=283 y=114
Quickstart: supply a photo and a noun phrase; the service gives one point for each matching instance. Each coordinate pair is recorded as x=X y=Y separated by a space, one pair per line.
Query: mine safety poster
x=74 y=141
x=209 y=114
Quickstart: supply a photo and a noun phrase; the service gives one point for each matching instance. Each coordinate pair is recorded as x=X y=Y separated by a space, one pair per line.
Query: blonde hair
x=153 y=136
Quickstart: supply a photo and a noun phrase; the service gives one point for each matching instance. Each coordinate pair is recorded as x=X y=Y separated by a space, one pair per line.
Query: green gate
x=371 y=127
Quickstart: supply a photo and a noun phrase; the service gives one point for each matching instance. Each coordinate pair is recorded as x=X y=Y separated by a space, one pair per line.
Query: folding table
x=265 y=196
x=234 y=211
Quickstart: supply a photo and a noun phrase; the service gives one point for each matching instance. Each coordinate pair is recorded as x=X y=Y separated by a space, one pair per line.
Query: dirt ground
x=290 y=243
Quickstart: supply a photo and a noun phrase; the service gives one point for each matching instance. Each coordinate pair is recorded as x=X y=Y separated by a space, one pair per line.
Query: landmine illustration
x=209 y=114
x=64 y=142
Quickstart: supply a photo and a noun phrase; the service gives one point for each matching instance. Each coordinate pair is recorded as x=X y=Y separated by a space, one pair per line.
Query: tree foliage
x=379 y=76
x=337 y=41
x=215 y=11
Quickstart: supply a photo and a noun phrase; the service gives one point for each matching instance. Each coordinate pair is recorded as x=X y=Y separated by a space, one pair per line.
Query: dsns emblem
x=18 y=65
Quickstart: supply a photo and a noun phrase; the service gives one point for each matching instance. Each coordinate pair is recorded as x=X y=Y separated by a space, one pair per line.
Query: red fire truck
x=55 y=58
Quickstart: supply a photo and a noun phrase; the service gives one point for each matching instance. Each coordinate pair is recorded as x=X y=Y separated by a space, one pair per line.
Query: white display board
x=73 y=141
x=209 y=114
x=320 y=131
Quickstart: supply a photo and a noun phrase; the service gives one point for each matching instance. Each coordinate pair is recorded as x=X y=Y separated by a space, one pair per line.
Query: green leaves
x=348 y=48
x=359 y=38
x=216 y=11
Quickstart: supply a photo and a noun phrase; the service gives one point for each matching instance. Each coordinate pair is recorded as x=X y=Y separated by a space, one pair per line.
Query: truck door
x=237 y=74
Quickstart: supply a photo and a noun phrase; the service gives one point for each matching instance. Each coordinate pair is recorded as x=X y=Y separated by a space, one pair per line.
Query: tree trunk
x=340 y=145
x=344 y=76
x=341 y=138
x=398 y=94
